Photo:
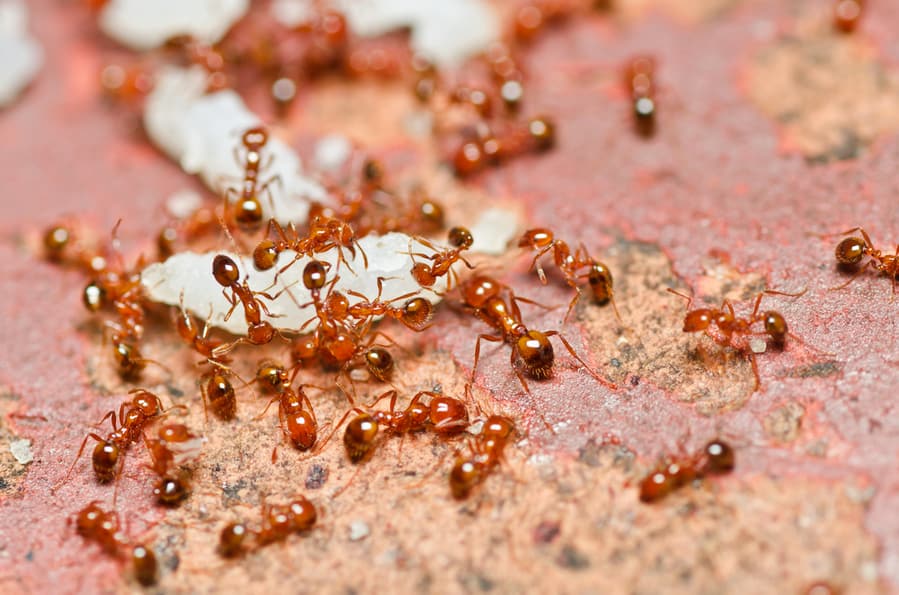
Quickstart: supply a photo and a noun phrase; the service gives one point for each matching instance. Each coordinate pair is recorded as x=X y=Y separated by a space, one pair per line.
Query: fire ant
x=847 y=14
x=445 y=415
x=231 y=539
x=542 y=241
x=296 y=416
x=717 y=458
x=324 y=234
x=247 y=212
x=97 y=525
x=174 y=447
x=485 y=453
x=280 y=520
x=732 y=330
x=133 y=416
x=531 y=349
x=259 y=332
x=639 y=81
x=425 y=274
x=850 y=252
x=489 y=147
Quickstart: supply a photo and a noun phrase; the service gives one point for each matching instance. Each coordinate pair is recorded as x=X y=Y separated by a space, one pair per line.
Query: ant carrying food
x=246 y=210
x=717 y=458
x=485 y=453
x=852 y=250
x=532 y=351
x=733 y=331
x=542 y=241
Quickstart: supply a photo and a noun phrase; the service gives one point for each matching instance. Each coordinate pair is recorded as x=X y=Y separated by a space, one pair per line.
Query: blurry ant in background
x=242 y=205
x=174 y=447
x=847 y=14
x=598 y=276
x=278 y=522
x=485 y=452
x=640 y=85
x=717 y=458
x=850 y=252
x=733 y=331
x=102 y=527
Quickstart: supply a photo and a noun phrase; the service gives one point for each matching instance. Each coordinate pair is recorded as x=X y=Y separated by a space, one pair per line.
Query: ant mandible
x=531 y=349
x=732 y=330
x=850 y=252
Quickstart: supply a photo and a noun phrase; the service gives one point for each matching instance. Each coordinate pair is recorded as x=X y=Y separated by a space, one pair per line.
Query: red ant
x=542 y=241
x=415 y=313
x=259 y=332
x=850 y=252
x=717 y=458
x=325 y=233
x=95 y=524
x=247 y=210
x=133 y=416
x=232 y=538
x=442 y=261
x=488 y=147
x=485 y=453
x=280 y=520
x=847 y=14
x=639 y=81
x=732 y=330
x=296 y=416
x=445 y=415
x=531 y=349
x=174 y=447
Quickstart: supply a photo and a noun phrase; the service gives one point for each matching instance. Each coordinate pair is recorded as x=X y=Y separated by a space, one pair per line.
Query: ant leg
x=755 y=371
x=755 y=309
x=393 y=396
x=539 y=268
x=477 y=352
x=274 y=399
x=570 y=349
x=574 y=300
x=231 y=300
x=689 y=298
x=78 y=456
x=861 y=269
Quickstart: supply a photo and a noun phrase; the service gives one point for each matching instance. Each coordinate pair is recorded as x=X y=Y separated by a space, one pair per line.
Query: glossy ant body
x=426 y=274
x=133 y=417
x=259 y=332
x=486 y=146
x=280 y=520
x=542 y=241
x=103 y=527
x=639 y=81
x=732 y=330
x=850 y=252
x=325 y=233
x=485 y=453
x=717 y=458
x=444 y=415
x=247 y=208
x=531 y=349
x=174 y=446
x=296 y=416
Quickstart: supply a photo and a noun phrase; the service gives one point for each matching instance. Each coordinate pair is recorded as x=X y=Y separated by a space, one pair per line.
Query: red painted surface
x=714 y=178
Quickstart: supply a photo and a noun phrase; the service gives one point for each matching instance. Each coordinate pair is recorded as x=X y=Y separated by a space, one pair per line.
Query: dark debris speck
x=572 y=559
x=316 y=477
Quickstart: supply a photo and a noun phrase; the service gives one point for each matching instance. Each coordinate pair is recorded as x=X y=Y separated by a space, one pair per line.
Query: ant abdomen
x=359 y=436
x=850 y=251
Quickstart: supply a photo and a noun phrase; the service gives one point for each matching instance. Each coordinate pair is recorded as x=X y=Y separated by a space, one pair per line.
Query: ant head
x=498 y=427
x=170 y=491
x=302 y=513
x=314 y=275
x=148 y=403
x=231 y=539
x=379 y=362
x=254 y=138
x=225 y=270
x=536 y=353
x=850 y=251
x=460 y=237
x=271 y=377
x=265 y=255
x=775 y=326
x=542 y=132
x=697 y=320
x=719 y=457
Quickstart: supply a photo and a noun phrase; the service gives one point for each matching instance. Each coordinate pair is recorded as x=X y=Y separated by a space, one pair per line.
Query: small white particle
x=758 y=345
x=21 y=450
x=359 y=530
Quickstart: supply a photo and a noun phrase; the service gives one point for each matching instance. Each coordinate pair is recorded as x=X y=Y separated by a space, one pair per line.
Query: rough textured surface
x=721 y=203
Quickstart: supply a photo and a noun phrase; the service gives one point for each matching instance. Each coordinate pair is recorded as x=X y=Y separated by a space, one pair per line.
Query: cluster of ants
x=483 y=120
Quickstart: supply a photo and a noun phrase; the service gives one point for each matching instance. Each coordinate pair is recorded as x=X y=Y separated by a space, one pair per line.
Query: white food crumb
x=758 y=345
x=21 y=450
x=20 y=55
x=191 y=274
x=183 y=204
x=493 y=231
x=147 y=24
x=332 y=151
x=446 y=33
x=359 y=530
x=203 y=134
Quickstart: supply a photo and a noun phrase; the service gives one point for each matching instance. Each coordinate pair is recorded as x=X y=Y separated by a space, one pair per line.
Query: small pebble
x=21 y=450
x=359 y=530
